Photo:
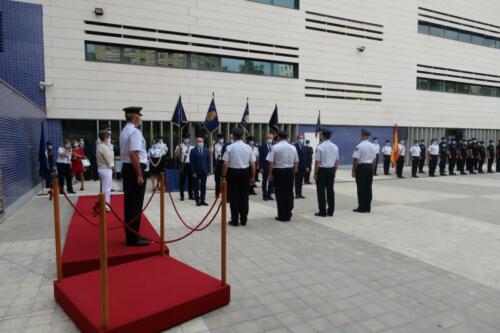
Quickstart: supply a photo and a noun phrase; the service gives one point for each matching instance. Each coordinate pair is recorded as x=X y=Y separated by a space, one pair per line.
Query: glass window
x=423 y=28
x=463 y=88
x=283 y=70
x=498 y=91
x=488 y=91
x=464 y=37
x=498 y=43
x=489 y=41
x=172 y=59
x=258 y=67
x=205 y=62
x=451 y=34
x=450 y=87
x=477 y=39
x=422 y=84
x=437 y=31
x=436 y=85
x=285 y=3
x=475 y=89
x=136 y=56
x=102 y=53
x=233 y=65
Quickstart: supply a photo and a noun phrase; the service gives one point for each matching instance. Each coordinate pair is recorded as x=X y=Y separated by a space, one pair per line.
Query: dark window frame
x=472 y=89
x=296 y=3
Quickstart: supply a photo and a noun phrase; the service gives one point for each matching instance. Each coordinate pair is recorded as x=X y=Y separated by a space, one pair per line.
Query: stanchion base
x=148 y=295
x=81 y=248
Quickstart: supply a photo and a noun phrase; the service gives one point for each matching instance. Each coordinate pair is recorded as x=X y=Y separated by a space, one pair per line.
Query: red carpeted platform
x=81 y=248
x=148 y=295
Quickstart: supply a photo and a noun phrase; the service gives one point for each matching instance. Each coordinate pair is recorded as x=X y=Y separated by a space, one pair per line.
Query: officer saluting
x=134 y=157
x=327 y=161
x=239 y=168
x=362 y=169
x=283 y=160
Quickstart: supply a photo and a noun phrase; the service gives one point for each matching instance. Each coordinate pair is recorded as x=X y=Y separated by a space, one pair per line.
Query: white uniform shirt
x=162 y=147
x=185 y=152
x=327 y=153
x=365 y=152
x=415 y=150
x=377 y=147
x=155 y=152
x=433 y=149
x=131 y=139
x=238 y=155
x=387 y=150
x=218 y=151
x=63 y=157
x=255 y=151
x=401 y=149
x=283 y=155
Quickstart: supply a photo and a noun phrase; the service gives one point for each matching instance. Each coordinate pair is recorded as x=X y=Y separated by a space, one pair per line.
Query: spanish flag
x=395 y=146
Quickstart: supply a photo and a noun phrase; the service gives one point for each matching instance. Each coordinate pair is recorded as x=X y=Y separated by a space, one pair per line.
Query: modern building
x=430 y=66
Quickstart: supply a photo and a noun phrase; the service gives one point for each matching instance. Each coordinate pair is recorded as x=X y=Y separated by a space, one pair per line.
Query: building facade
x=431 y=66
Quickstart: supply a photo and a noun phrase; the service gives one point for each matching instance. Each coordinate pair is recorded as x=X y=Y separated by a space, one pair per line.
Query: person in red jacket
x=77 y=164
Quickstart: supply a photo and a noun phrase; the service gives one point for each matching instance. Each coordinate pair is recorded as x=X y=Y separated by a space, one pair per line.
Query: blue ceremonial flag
x=273 y=122
x=43 y=159
x=179 y=117
x=245 y=120
x=211 y=120
x=318 y=124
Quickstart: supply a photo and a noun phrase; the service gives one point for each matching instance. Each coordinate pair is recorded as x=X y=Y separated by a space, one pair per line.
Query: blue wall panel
x=347 y=137
x=22 y=59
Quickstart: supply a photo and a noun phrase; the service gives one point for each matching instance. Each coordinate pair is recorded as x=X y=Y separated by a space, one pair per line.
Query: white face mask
x=269 y=141
x=301 y=141
x=160 y=141
x=388 y=144
x=231 y=141
x=67 y=145
x=200 y=144
x=186 y=141
x=375 y=141
x=251 y=143
x=402 y=142
x=221 y=141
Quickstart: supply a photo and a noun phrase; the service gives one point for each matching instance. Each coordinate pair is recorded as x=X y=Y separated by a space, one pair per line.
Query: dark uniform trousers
x=460 y=165
x=433 y=164
x=283 y=188
x=299 y=179
x=64 y=175
x=421 y=163
x=376 y=165
x=470 y=165
x=387 y=164
x=267 y=187
x=200 y=187
x=480 y=164
x=307 y=175
x=490 y=165
x=218 y=175
x=324 y=185
x=442 y=165
x=185 y=172
x=399 y=166
x=238 y=184
x=451 y=165
x=133 y=199
x=414 y=165
x=364 y=180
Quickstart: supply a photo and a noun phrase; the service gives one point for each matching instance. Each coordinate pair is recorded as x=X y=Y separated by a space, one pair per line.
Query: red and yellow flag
x=395 y=148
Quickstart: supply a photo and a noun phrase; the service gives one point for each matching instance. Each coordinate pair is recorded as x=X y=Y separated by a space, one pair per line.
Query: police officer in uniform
x=474 y=154
x=325 y=167
x=239 y=169
x=283 y=161
x=415 y=158
x=377 y=148
x=363 y=160
x=461 y=156
x=400 y=163
x=481 y=156
x=255 y=151
x=468 y=161
x=134 y=157
x=219 y=163
x=302 y=167
x=264 y=150
x=491 y=156
x=386 y=152
x=433 y=152
x=63 y=163
x=310 y=153
x=452 y=157
x=421 y=161
x=182 y=152
x=497 y=154
x=443 y=156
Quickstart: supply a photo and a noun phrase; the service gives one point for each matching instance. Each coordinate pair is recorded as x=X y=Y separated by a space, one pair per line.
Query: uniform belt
x=128 y=163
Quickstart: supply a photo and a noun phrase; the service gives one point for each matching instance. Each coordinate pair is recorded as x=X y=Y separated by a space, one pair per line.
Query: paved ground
x=425 y=260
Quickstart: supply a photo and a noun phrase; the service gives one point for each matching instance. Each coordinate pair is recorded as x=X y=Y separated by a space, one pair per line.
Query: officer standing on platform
x=481 y=156
x=239 y=169
x=310 y=153
x=386 y=152
x=377 y=148
x=443 y=156
x=264 y=150
x=421 y=161
x=134 y=157
x=415 y=158
x=283 y=161
x=363 y=160
x=182 y=152
x=401 y=159
x=433 y=152
x=325 y=167
x=491 y=156
x=219 y=163
x=452 y=157
x=302 y=167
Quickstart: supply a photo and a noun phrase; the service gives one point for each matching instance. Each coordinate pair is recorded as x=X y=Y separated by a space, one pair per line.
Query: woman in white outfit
x=105 y=164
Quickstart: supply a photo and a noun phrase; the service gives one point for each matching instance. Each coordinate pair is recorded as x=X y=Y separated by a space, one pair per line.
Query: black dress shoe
x=415 y=176
x=71 y=192
x=357 y=210
x=198 y=204
x=234 y=224
x=270 y=198
x=192 y=198
x=401 y=177
x=281 y=220
x=182 y=198
x=330 y=214
x=138 y=242
x=265 y=198
x=243 y=222
x=203 y=203
x=320 y=214
x=302 y=197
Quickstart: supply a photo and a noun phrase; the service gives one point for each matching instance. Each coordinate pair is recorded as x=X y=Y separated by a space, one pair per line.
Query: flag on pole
x=274 y=122
x=395 y=148
x=212 y=119
x=318 y=124
x=43 y=158
x=245 y=120
x=179 y=117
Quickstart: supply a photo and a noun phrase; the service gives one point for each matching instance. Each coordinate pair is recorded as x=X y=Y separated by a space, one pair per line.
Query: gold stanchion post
x=162 y=213
x=223 y=233
x=103 y=249
x=57 y=228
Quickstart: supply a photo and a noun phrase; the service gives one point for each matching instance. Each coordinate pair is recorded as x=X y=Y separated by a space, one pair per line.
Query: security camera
x=98 y=11
x=361 y=49
x=44 y=84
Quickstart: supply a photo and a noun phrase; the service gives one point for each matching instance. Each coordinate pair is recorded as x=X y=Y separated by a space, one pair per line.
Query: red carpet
x=148 y=295
x=81 y=248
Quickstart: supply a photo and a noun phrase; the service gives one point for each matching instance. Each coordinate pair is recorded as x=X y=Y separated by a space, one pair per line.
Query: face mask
x=200 y=144
x=231 y=141
x=402 y=142
x=221 y=141
x=269 y=141
x=375 y=141
x=251 y=143
x=388 y=144
x=301 y=141
x=75 y=145
x=186 y=141
x=67 y=145
x=160 y=141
